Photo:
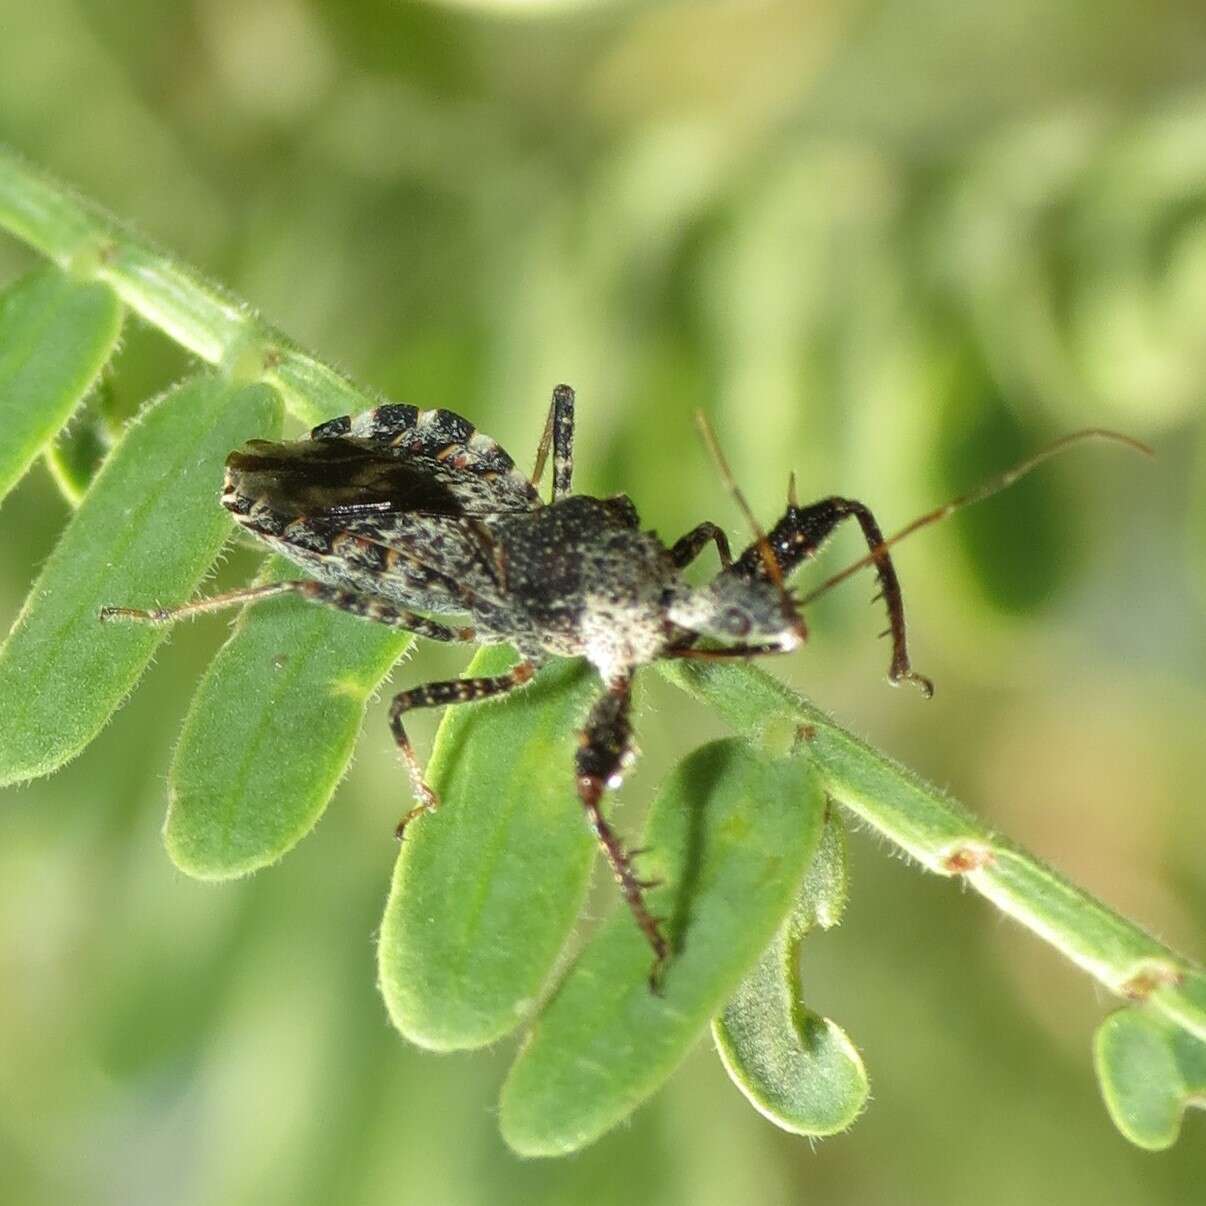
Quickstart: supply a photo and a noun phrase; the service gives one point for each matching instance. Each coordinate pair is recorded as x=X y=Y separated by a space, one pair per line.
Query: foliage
x=486 y=894
x=799 y=1069
x=146 y=531
x=290 y=677
x=730 y=836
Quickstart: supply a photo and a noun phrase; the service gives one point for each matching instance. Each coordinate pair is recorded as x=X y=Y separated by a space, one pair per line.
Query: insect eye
x=736 y=621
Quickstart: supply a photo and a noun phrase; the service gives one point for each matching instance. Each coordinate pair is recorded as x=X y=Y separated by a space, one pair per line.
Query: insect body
x=400 y=515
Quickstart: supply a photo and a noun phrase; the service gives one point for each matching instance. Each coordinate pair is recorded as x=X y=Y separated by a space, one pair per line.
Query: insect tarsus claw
x=920 y=681
x=428 y=802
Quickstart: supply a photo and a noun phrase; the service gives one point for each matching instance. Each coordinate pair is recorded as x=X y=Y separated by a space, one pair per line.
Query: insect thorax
x=583 y=579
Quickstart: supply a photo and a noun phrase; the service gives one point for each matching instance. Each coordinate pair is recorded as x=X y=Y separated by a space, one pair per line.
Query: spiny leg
x=799 y=535
x=901 y=669
x=367 y=607
x=435 y=695
x=559 y=434
x=687 y=548
x=605 y=748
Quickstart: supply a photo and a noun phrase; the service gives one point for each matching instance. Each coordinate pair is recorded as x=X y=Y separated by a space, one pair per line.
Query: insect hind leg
x=606 y=746
x=366 y=607
x=436 y=695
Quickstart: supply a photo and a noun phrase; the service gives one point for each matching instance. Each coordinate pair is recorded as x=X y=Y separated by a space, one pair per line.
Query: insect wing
x=444 y=444
x=346 y=476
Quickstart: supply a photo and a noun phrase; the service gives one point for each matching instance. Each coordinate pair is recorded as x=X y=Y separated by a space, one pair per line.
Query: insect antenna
x=773 y=569
x=994 y=485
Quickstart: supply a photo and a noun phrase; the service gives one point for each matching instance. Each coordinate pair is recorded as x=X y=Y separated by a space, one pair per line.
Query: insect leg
x=606 y=745
x=687 y=548
x=367 y=607
x=563 y=441
x=169 y=615
x=559 y=434
x=799 y=535
x=729 y=653
x=436 y=695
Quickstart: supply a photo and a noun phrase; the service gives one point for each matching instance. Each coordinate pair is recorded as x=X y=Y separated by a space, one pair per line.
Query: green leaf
x=270 y=732
x=487 y=890
x=730 y=834
x=1150 y=1070
x=797 y=1068
x=826 y=886
x=147 y=531
x=56 y=334
x=75 y=458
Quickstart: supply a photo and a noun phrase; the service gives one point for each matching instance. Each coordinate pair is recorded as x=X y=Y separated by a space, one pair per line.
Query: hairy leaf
x=270 y=731
x=730 y=834
x=76 y=456
x=147 y=531
x=1150 y=1070
x=487 y=890
x=797 y=1068
x=56 y=335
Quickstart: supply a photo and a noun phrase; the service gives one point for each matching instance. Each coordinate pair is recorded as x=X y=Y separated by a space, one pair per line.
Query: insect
x=399 y=514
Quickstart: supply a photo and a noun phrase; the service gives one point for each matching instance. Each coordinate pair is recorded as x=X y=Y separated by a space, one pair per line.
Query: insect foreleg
x=436 y=695
x=559 y=433
x=606 y=745
x=799 y=535
x=687 y=548
x=367 y=607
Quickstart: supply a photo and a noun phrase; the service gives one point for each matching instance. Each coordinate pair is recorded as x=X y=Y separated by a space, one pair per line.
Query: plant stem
x=944 y=837
x=199 y=315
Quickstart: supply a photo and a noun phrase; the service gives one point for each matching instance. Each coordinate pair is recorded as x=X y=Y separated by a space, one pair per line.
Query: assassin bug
x=398 y=509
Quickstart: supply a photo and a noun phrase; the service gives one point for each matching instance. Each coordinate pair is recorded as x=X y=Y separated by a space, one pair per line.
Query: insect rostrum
x=398 y=512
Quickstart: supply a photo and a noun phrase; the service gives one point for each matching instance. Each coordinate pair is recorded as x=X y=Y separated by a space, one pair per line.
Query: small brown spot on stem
x=1145 y=982
x=965 y=858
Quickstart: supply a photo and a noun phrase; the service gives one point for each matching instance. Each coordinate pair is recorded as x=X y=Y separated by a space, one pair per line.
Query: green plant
x=485 y=895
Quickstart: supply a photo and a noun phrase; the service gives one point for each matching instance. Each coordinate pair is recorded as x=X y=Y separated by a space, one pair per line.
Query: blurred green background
x=889 y=245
